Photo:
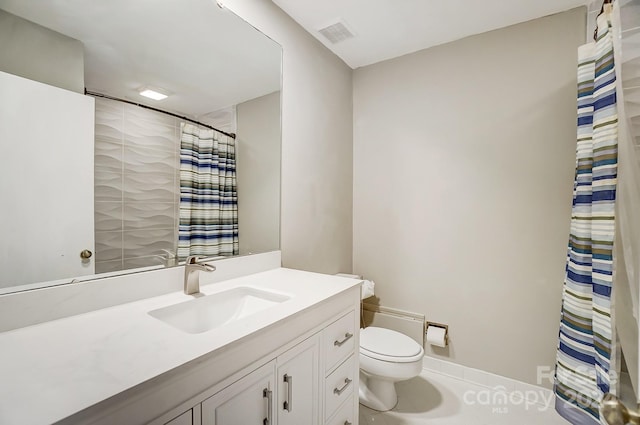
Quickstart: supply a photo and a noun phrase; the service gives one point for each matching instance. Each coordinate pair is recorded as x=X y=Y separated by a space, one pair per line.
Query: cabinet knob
x=85 y=254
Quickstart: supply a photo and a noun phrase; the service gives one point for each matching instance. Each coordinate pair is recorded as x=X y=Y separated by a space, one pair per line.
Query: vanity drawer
x=339 y=340
x=338 y=386
x=346 y=414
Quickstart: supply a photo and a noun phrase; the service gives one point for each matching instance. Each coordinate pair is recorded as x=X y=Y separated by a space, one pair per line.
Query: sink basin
x=215 y=310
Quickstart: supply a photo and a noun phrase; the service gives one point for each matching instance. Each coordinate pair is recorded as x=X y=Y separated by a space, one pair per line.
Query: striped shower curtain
x=208 y=196
x=587 y=336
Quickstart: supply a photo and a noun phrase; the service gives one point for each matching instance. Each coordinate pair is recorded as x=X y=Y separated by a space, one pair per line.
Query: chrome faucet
x=191 y=274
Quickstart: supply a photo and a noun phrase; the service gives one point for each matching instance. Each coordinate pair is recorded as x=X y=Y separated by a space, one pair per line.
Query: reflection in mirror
x=111 y=181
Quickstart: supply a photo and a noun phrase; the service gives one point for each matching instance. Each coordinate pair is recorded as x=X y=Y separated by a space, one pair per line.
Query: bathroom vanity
x=288 y=357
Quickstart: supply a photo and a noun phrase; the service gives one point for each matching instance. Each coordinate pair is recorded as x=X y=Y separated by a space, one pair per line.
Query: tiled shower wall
x=136 y=186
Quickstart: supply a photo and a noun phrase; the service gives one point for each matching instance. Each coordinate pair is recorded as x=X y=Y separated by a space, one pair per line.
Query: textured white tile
x=143 y=160
x=137 y=114
x=108 y=155
x=106 y=132
x=109 y=108
x=153 y=260
x=108 y=266
x=108 y=246
x=136 y=162
x=146 y=243
x=108 y=216
x=150 y=175
x=154 y=136
x=109 y=121
x=108 y=186
x=148 y=187
x=149 y=215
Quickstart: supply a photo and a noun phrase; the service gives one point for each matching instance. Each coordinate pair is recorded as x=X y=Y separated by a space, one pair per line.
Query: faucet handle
x=192 y=259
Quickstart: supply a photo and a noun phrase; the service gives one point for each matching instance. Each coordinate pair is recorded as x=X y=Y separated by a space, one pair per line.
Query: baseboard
x=513 y=389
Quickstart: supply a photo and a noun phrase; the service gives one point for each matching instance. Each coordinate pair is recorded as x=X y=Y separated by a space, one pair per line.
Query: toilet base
x=377 y=394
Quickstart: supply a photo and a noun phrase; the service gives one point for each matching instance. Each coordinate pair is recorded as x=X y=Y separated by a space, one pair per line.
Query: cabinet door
x=47 y=160
x=298 y=384
x=248 y=401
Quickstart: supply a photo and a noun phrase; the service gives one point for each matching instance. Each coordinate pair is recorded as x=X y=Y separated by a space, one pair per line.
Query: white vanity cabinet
x=298 y=385
x=284 y=392
x=288 y=390
x=341 y=370
x=247 y=401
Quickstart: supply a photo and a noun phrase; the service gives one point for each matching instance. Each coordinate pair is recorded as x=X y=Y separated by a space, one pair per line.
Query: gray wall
x=258 y=173
x=38 y=53
x=464 y=157
x=317 y=155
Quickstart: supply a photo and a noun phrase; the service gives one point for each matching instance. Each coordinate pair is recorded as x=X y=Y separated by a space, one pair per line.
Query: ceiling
x=207 y=57
x=385 y=29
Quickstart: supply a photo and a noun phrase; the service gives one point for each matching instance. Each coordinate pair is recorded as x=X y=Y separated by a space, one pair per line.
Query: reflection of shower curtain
x=584 y=357
x=208 y=196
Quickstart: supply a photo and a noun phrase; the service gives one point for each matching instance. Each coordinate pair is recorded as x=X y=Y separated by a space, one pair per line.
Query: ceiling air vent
x=336 y=32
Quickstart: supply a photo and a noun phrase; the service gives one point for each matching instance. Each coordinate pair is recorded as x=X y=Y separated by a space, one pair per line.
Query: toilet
x=386 y=357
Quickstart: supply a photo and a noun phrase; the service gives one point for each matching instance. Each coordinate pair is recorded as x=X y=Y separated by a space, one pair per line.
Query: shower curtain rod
x=105 y=96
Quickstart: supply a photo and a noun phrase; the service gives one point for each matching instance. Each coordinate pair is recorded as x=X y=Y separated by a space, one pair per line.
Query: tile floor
x=436 y=399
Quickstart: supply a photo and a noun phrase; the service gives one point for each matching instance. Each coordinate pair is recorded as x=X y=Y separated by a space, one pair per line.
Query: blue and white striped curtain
x=587 y=333
x=208 y=195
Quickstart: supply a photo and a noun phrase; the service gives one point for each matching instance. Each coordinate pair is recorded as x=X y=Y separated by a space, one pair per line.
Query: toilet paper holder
x=438 y=325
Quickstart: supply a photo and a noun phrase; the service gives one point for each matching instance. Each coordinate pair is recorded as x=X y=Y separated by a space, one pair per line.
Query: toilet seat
x=390 y=346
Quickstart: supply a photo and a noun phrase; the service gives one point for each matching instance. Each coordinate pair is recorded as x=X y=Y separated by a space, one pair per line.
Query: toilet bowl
x=386 y=357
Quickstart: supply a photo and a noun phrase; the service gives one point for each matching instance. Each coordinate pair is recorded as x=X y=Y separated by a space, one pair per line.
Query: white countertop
x=52 y=370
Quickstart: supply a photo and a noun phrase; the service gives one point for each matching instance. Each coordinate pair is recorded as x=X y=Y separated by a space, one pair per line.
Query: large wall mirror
x=100 y=180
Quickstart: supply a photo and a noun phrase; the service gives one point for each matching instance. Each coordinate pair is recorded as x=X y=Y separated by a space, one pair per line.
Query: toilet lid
x=388 y=343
